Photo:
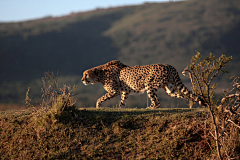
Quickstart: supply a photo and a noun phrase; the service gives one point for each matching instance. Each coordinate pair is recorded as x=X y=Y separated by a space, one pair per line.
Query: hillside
x=136 y=35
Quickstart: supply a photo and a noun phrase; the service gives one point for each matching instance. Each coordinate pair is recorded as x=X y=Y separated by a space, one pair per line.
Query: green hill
x=136 y=35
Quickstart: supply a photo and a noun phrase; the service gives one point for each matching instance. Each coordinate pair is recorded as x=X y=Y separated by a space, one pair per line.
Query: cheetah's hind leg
x=124 y=97
x=152 y=94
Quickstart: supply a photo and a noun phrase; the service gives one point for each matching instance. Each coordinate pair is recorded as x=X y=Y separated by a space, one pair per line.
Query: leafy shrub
x=227 y=110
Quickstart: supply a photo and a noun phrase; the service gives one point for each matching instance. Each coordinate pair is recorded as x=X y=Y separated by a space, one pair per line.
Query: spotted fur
x=118 y=78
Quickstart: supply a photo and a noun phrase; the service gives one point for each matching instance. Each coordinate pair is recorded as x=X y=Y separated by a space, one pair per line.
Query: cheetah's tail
x=181 y=91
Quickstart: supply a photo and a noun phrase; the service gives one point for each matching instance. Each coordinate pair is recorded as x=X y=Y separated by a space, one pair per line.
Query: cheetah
x=118 y=78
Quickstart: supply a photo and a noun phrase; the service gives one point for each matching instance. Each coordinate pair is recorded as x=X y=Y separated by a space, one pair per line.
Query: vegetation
x=137 y=35
x=58 y=130
x=202 y=72
x=104 y=134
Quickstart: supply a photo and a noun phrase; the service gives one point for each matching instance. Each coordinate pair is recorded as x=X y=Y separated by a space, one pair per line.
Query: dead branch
x=233 y=123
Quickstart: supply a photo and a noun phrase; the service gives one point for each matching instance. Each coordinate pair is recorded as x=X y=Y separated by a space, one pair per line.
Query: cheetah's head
x=90 y=76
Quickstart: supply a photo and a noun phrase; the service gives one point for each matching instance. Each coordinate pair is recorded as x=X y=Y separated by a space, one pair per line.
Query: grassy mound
x=104 y=134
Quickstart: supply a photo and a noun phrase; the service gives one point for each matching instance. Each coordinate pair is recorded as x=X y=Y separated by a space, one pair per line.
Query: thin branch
x=190 y=76
x=232 y=95
x=212 y=135
x=223 y=130
x=233 y=123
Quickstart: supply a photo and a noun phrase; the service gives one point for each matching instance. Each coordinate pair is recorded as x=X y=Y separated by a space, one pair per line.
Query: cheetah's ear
x=116 y=63
x=113 y=62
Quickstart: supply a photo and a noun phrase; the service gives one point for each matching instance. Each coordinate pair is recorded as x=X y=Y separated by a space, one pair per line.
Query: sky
x=22 y=10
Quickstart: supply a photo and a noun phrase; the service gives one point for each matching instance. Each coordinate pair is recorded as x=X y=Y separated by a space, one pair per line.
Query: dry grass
x=104 y=134
x=5 y=107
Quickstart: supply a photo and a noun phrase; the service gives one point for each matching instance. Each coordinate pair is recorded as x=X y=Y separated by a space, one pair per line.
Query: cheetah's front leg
x=105 y=97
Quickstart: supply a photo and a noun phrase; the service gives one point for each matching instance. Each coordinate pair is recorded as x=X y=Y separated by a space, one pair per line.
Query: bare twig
x=233 y=123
